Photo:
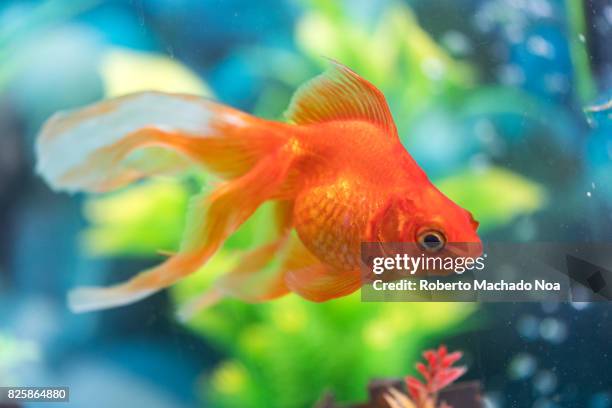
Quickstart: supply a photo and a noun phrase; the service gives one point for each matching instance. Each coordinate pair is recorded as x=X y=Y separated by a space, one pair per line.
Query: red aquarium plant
x=437 y=374
x=433 y=391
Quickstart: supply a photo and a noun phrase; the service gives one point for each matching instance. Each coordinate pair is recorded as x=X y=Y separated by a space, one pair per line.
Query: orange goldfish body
x=337 y=174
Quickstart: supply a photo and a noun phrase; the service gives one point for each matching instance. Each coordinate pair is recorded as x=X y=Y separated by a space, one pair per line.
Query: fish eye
x=431 y=240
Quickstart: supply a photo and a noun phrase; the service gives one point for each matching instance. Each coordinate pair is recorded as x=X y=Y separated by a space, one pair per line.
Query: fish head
x=430 y=220
x=442 y=227
x=424 y=223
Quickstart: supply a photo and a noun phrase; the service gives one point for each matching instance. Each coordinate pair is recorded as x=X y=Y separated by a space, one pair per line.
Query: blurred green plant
x=145 y=218
x=393 y=52
x=13 y=353
x=126 y=71
x=577 y=30
x=286 y=353
x=482 y=191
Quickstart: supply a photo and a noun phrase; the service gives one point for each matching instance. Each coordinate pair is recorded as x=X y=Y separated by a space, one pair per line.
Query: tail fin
x=211 y=220
x=110 y=144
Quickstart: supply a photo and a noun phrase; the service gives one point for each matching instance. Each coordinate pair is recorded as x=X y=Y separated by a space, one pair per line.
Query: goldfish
x=336 y=173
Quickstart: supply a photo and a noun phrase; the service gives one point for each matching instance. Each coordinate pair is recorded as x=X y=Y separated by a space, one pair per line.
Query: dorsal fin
x=340 y=94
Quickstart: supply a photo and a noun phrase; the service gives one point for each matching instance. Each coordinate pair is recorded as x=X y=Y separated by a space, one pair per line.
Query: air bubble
x=457 y=42
x=528 y=327
x=553 y=330
x=522 y=366
x=545 y=382
x=539 y=46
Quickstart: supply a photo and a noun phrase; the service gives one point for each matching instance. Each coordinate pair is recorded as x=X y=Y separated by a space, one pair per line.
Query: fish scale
x=329 y=226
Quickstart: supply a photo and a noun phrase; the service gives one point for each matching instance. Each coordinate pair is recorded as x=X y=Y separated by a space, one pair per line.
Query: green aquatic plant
x=494 y=195
x=577 y=30
x=393 y=52
x=126 y=71
x=128 y=223
x=288 y=352
x=13 y=353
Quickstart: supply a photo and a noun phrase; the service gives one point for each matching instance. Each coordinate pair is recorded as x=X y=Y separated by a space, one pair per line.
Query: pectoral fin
x=313 y=280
